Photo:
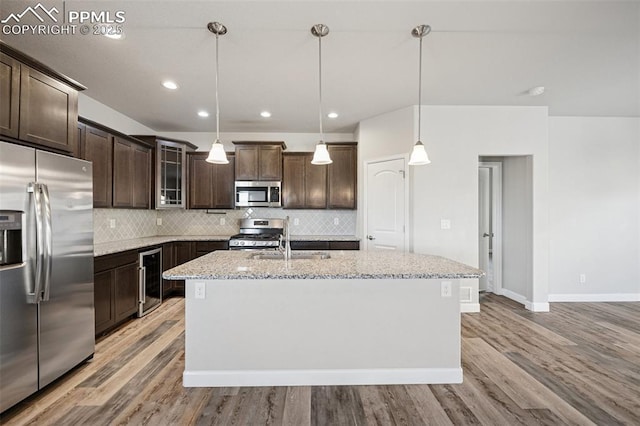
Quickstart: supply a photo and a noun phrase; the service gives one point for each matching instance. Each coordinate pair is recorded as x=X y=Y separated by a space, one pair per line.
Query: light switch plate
x=112 y=223
x=159 y=221
x=445 y=224
x=445 y=289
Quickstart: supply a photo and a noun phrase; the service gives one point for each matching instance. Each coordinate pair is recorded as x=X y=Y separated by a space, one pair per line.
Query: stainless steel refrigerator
x=46 y=269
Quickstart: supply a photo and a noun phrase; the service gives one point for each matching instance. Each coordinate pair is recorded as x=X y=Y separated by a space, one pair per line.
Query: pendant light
x=216 y=153
x=419 y=155
x=321 y=154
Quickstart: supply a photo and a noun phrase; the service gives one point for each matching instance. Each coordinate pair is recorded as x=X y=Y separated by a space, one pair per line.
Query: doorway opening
x=490 y=225
x=505 y=219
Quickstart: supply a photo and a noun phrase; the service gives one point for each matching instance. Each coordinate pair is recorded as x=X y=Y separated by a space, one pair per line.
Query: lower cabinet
x=115 y=289
x=325 y=245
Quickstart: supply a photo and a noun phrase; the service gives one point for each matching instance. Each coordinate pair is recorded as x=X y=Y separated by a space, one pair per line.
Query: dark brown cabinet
x=210 y=185
x=10 y=99
x=184 y=252
x=304 y=185
x=96 y=145
x=325 y=245
x=168 y=262
x=205 y=247
x=131 y=174
x=115 y=289
x=342 y=176
x=38 y=106
x=259 y=161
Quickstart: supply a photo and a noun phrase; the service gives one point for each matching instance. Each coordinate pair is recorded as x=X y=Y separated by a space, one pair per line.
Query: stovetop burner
x=257 y=234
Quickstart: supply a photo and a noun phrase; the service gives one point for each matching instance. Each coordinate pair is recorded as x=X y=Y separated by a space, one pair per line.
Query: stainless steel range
x=258 y=234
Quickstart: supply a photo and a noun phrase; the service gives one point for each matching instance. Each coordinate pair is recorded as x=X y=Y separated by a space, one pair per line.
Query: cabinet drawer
x=309 y=245
x=209 y=246
x=344 y=245
x=111 y=261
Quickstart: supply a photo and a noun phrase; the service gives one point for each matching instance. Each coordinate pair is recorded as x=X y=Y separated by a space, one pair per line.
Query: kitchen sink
x=276 y=255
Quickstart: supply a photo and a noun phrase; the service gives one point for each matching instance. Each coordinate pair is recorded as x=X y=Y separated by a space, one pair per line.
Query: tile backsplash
x=147 y=223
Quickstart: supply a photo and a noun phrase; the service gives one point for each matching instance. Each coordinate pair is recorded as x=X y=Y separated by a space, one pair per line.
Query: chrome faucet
x=286 y=240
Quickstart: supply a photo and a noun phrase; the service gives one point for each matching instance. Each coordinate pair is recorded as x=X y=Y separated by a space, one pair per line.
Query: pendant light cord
x=420 y=93
x=217 y=102
x=320 y=85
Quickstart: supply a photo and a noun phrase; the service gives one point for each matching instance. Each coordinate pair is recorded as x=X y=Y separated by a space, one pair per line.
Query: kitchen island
x=354 y=318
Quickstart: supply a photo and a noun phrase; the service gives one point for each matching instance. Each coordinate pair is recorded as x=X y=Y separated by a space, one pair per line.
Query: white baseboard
x=532 y=306
x=537 y=306
x=611 y=297
x=400 y=376
x=470 y=307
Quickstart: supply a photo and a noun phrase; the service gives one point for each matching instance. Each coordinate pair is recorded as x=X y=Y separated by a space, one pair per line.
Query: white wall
x=107 y=116
x=455 y=136
x=594 y=177
x=516 y=226
x=294 y=141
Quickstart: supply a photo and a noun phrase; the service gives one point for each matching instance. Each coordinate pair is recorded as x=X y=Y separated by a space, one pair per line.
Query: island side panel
x=322 y=332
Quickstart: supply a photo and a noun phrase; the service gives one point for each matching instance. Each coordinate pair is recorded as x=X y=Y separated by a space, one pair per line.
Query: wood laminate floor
x=578 y=364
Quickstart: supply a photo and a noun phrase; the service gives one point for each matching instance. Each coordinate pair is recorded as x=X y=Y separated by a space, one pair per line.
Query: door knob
x=487 y=235
x=370 y=237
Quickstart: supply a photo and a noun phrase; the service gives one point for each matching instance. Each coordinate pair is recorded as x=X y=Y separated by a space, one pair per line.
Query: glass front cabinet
x=170 y=171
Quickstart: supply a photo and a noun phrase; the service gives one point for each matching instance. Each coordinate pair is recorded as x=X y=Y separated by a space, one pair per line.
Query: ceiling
x=585 y=54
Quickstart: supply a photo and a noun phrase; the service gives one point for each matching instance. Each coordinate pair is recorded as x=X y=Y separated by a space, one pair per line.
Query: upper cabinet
x=304 y=185
x=122 y=166
x=170 y=186
x=309 y=186
x=259 y=160
x=210 y=185
x=342 y=176
x=38 y=106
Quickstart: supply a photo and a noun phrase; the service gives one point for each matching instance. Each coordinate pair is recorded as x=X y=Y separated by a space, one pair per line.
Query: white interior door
x=385 y=205
x=484 y=223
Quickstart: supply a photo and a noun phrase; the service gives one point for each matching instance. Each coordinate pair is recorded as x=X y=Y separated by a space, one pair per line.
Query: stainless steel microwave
x=257 y=194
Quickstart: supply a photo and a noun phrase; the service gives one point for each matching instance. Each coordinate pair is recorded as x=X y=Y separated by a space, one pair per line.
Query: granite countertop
x=324 y=238
x=230 y=265
x=136 y=243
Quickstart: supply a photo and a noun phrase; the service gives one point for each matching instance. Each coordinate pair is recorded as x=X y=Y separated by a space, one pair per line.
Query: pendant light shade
x=216 y=153
x=321 y=154
x=419 y=155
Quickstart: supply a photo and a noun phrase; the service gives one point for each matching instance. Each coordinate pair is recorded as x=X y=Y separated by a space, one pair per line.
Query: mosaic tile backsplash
x=148 y=223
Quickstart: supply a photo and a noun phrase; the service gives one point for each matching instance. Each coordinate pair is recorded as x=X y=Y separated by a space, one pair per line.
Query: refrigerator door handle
x=48 y=242
x=36 y=189
x=34 y=276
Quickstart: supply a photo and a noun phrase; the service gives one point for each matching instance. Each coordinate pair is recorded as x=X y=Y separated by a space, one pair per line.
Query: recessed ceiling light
x=332 y=115
x=536 y=91
x=265 y=114
x=170 y=85
x=203 y=114
x=114 y=36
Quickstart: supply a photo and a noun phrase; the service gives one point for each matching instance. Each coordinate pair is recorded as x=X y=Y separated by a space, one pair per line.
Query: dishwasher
x=149 y=281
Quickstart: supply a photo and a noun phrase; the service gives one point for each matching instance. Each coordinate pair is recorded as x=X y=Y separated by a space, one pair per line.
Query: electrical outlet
x=445 y=224
x=445 y=288
x=159 y=221
x=200 y=290
x=582 y=278
x=296 y=221
x=112 y=223
x=336 y=221
x=223 y=221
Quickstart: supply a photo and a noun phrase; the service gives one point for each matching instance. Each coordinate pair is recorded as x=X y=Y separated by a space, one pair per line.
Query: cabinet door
x=48 y=111
x=293 y=185
x=103 y=287
x=122 y=173
x=141 y=183
x=97 y=146
x=200 y=178
x=170 y=174
x=315 y=185
x=223 y=185
x=246 y=162
x=270 y=163
x=126 y=291
x=168 y=262
x=10 y=99
x=341 y=180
